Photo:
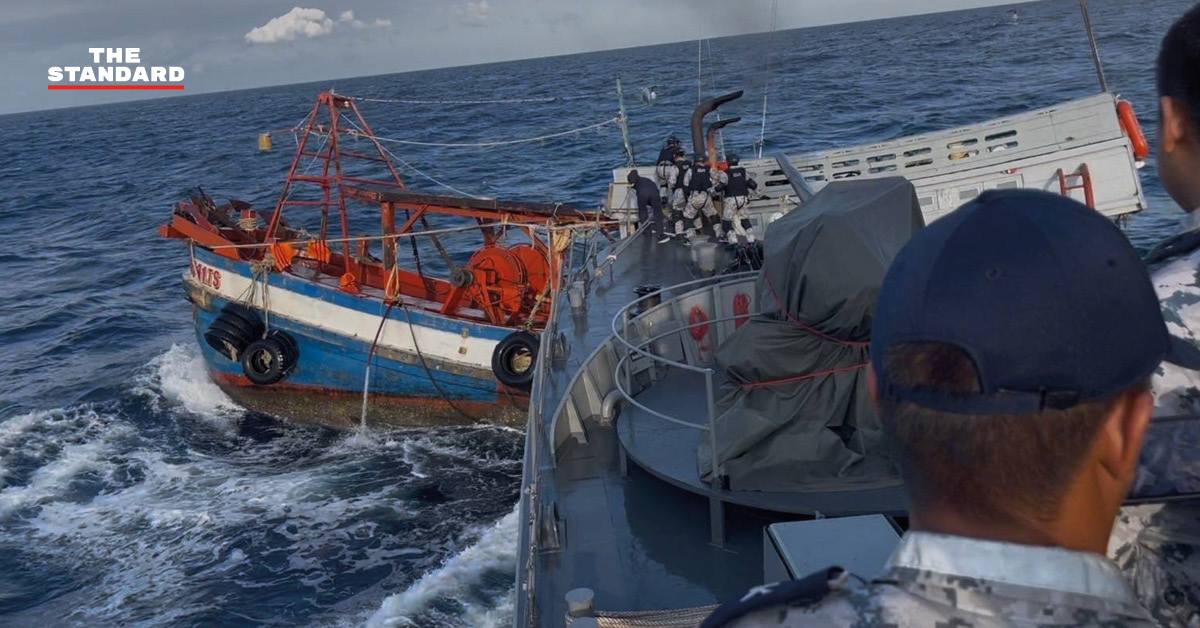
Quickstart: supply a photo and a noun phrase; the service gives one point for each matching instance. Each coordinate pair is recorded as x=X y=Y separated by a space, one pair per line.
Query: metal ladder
x=1085 y=183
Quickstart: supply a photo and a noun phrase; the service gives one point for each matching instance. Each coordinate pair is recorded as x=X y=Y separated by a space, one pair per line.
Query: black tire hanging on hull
x=291 y=349
x=225 y=343
x=266 y=361
x=236 y=327
x=249 y=331
x=235 y=313
x=514 y=358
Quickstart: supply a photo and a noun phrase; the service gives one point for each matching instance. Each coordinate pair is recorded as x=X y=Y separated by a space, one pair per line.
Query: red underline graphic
x=114 y=87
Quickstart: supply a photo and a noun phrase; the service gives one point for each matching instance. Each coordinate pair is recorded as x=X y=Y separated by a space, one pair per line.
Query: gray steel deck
x=639 y=542
x=668 y=451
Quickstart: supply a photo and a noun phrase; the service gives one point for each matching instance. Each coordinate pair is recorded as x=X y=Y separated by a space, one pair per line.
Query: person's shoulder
x=826 y=594
x=1177 y=283
x=839 y=609
x=1177 y=280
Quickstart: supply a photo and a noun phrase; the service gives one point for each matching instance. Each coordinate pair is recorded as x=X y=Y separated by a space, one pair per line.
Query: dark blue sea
x=134 y=493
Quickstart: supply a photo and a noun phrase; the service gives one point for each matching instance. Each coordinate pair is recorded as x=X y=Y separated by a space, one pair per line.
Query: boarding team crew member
x=666 y=161
x=736 y=186
x=649 y=203
x=699 y=185
x=678 y=190
x=1159 y=545
x=1011 y=355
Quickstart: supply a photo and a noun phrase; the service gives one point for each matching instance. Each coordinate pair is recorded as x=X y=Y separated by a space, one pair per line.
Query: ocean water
x=134 y=493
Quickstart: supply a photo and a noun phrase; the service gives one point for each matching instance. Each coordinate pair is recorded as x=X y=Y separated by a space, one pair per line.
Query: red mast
x=332 y=108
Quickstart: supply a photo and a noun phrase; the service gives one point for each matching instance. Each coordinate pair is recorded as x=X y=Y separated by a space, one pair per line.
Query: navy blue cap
x=1045 y=295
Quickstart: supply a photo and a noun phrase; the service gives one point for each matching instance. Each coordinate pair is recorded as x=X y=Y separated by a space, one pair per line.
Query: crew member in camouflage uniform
x=675 y=183
x=664 y=165
x=699 y=183
x=1016 y=397
x=1159 y=545
x=735 y=186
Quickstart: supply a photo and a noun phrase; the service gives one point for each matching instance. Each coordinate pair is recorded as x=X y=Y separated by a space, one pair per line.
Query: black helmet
x=633 y=177
x=672 y=141
x=734 y=160
x=701 y=159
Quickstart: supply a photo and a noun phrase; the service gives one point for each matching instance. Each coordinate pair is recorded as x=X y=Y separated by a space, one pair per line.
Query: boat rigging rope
x=363 y=133
x=527 y=140
x=396 y=236
x=496 y=101
x=370 y=359
x=428 y=371
x=762 y=134
x=712 y=84
x=425 y=223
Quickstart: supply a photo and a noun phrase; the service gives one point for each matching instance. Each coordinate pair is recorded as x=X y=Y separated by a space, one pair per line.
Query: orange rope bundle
x=391 y=291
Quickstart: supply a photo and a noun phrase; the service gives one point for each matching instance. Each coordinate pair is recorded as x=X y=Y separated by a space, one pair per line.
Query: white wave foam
x=63 y=440
x=186 y=521
x=52 y=478
x=180 y=376
x=147 y=523
x=498 y=613
x=494 y=550
x=15 y=428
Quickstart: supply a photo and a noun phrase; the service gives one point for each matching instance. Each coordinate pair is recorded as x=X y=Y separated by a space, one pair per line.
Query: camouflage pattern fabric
x=1158 y=545
x=935 y=581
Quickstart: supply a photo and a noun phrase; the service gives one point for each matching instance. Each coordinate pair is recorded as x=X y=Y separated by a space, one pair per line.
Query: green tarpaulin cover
x=795 y=414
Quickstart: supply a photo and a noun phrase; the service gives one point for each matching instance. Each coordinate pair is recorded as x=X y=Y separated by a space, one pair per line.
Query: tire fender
x=514 y=360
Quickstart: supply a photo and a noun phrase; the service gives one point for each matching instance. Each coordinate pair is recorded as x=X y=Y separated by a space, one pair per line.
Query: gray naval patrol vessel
x=699 y=424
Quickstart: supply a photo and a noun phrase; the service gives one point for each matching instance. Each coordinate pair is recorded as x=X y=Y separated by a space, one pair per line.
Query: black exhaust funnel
x=703 y=109
x=712 y=137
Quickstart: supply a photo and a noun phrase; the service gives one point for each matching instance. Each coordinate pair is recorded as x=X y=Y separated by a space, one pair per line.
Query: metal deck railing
x=624 y=325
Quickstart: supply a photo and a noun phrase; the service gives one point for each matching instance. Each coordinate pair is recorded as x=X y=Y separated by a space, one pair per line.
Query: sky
x=236 y=44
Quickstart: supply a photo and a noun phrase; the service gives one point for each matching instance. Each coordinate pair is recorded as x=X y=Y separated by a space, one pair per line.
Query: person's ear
x=1174 y=125
x=1124 y=431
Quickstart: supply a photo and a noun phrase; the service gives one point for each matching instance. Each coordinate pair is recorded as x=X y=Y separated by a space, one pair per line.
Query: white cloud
x=473 y=13
x=347 y=17
x=300 y=22
x=295 y=23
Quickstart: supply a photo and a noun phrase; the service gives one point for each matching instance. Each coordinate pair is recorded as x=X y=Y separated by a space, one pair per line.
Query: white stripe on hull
x=459 y=348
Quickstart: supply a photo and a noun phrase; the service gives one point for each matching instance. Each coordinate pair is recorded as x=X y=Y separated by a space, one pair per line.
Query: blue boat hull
x=326 y=387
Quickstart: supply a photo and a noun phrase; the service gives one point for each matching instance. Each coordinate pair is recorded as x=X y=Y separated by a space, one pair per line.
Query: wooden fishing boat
x=350 y=329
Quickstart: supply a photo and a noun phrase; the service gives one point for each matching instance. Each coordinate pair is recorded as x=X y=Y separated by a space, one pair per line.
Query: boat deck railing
x=634 y=345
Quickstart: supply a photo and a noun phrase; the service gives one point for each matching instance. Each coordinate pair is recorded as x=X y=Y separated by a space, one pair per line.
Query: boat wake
x=178 y=377
x=170 y=505
x=475 y=584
